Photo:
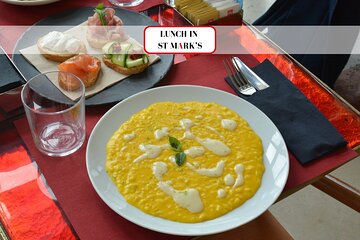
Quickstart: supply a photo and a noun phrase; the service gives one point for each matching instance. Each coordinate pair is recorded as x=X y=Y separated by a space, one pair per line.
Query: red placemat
x=89 y=215
x=209 y=71
x=67 y=177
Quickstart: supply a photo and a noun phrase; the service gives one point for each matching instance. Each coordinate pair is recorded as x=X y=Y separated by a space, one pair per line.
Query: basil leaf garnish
x=180 y=158
x=100 y=6
x=175 y=144
x=100 y=10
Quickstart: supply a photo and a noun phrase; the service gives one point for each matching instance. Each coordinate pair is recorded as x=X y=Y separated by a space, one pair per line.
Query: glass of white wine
x=126 y=3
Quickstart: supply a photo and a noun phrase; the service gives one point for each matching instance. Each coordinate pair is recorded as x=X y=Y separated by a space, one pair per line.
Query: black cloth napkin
x=9 y=76
x=306 y=131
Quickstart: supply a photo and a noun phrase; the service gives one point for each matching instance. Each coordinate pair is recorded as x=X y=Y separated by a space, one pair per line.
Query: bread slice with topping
x=84 y=66
x=58 y=46
x=125 y=58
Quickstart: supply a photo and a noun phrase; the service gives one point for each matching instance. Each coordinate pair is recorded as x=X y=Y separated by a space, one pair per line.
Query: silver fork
x=241 y=84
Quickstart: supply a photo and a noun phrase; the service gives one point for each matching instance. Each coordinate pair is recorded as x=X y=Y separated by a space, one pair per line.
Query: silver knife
x=252 y=77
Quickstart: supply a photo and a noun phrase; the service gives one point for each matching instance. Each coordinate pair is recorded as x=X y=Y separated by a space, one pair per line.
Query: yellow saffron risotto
x=186 y=162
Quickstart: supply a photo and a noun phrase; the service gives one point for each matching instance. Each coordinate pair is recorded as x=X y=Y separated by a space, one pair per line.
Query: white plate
x=275 y=159
x=29 y=2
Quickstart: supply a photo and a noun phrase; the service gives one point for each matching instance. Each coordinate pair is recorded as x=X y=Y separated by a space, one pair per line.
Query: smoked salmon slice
x=84 y=66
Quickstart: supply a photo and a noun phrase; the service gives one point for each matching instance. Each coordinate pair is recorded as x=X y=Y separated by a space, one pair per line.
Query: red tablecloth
x=90 y=217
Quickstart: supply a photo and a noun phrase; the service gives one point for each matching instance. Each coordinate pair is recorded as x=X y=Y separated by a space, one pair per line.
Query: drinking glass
x=56 y=114
x=126 y=3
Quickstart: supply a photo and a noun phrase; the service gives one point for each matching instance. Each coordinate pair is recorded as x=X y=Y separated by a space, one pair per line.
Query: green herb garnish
x=175 y=144
x=180 y=156
x=100 y=10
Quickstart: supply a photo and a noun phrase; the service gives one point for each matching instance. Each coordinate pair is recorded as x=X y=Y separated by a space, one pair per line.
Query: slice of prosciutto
x=111 y=31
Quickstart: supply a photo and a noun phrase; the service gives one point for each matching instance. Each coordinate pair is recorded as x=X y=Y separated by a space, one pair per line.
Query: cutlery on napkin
x=252 y=77
x=306 y=131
